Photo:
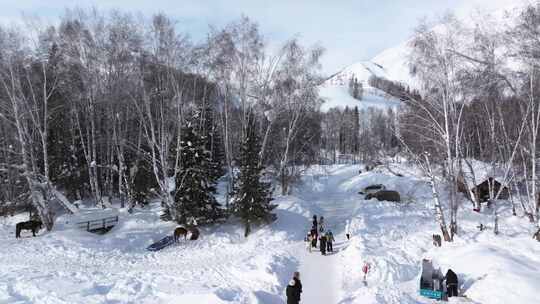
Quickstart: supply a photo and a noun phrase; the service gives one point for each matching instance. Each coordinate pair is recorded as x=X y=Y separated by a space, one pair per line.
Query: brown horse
x=180 y=231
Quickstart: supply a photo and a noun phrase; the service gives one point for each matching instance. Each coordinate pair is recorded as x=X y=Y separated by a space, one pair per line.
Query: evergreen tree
x=252 y=196
x=212 y=140
x=355 y=88
x=195 y=189
x=359 y=90
x=356 y=130
x=351 y=86
x=143 y=181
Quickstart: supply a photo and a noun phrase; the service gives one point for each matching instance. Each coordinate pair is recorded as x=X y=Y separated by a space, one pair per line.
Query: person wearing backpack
x=329 y=241
x=322 y=244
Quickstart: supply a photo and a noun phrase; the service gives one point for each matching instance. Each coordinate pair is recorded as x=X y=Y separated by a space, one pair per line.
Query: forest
x=108 y=105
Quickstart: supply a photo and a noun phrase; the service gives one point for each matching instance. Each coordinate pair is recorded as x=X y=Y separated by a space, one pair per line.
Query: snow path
x=379 y=235
x=321 y=275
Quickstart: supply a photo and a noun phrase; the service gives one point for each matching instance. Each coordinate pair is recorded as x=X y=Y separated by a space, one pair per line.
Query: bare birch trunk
x=439 y=214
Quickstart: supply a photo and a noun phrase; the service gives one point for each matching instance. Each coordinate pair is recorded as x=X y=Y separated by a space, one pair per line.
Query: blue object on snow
x=432 y=294
x=164 y=242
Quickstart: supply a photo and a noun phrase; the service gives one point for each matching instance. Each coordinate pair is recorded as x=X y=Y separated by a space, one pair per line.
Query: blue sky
x=350 y=30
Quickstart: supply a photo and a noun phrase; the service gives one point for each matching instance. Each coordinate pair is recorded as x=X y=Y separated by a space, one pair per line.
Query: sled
x=430 y=281
x=432 y=294
x=164 y=242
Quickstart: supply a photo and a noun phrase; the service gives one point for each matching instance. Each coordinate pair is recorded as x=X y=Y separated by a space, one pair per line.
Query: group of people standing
x=318 y=232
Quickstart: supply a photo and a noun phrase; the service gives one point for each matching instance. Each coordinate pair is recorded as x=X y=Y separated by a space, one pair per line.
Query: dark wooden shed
x=482 y=190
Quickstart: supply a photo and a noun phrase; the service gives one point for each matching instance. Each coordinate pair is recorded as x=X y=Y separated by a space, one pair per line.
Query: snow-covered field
x=69 y=266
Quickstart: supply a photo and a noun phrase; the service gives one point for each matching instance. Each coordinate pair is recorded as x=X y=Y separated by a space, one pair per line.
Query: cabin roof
x=482 y=172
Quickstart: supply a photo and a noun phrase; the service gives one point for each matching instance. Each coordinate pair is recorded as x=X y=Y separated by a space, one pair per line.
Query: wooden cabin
x=490 y=185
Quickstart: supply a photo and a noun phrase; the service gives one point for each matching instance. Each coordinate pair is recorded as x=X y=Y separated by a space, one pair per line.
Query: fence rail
x=104 y=223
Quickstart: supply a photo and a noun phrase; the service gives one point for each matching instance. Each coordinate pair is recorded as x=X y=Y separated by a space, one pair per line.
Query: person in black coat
x=322 y=244
x=451 y=283
x=294 y=289
x=314 y=236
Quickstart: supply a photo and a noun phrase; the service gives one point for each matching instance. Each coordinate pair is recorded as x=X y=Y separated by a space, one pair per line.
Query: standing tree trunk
x=439 y=214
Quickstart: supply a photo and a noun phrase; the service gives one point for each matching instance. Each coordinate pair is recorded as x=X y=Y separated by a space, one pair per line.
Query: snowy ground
x=67 y=266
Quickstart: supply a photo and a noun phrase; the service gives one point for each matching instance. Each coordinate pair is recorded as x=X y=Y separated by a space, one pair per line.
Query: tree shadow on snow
x=265 y=297
x=294 y=224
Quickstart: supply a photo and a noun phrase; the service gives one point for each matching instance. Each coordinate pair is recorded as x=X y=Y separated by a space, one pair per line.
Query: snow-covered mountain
x=393 y=63
x=335 y=89
x=390 y=64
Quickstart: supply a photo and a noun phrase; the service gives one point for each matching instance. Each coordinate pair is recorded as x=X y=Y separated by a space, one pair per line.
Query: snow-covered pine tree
x=356 y=131
x=355 y=88
x=194 y=197
x=142 y=181
x=356 y=92
x=212 y=140
x=252 y=196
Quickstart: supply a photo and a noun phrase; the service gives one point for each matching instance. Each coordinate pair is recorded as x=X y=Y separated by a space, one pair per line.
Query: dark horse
x=181 y=231
x=35 y=226
x=178 y=232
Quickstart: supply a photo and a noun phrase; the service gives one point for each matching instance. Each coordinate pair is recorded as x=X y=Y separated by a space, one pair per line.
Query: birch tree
x=440 y=111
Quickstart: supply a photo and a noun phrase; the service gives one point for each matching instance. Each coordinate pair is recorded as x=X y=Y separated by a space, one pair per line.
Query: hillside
x=335 y=93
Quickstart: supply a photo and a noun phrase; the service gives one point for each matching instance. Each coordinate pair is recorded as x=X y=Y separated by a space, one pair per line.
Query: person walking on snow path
x=294 y=289
x=329 y=240
x=315 y=230
x=309 y=242
x=451 y=283
x=347 y=232
x=321 y=224
x=314 y=236
x=365 y=269
x=322 y=244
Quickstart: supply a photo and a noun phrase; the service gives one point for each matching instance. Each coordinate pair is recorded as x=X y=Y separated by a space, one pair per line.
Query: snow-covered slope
x=394 y=62
x=71 y=266
x=336 y=96
x=335 y=90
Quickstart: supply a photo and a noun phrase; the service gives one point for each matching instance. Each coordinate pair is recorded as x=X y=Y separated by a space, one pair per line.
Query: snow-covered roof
x=481 y=172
